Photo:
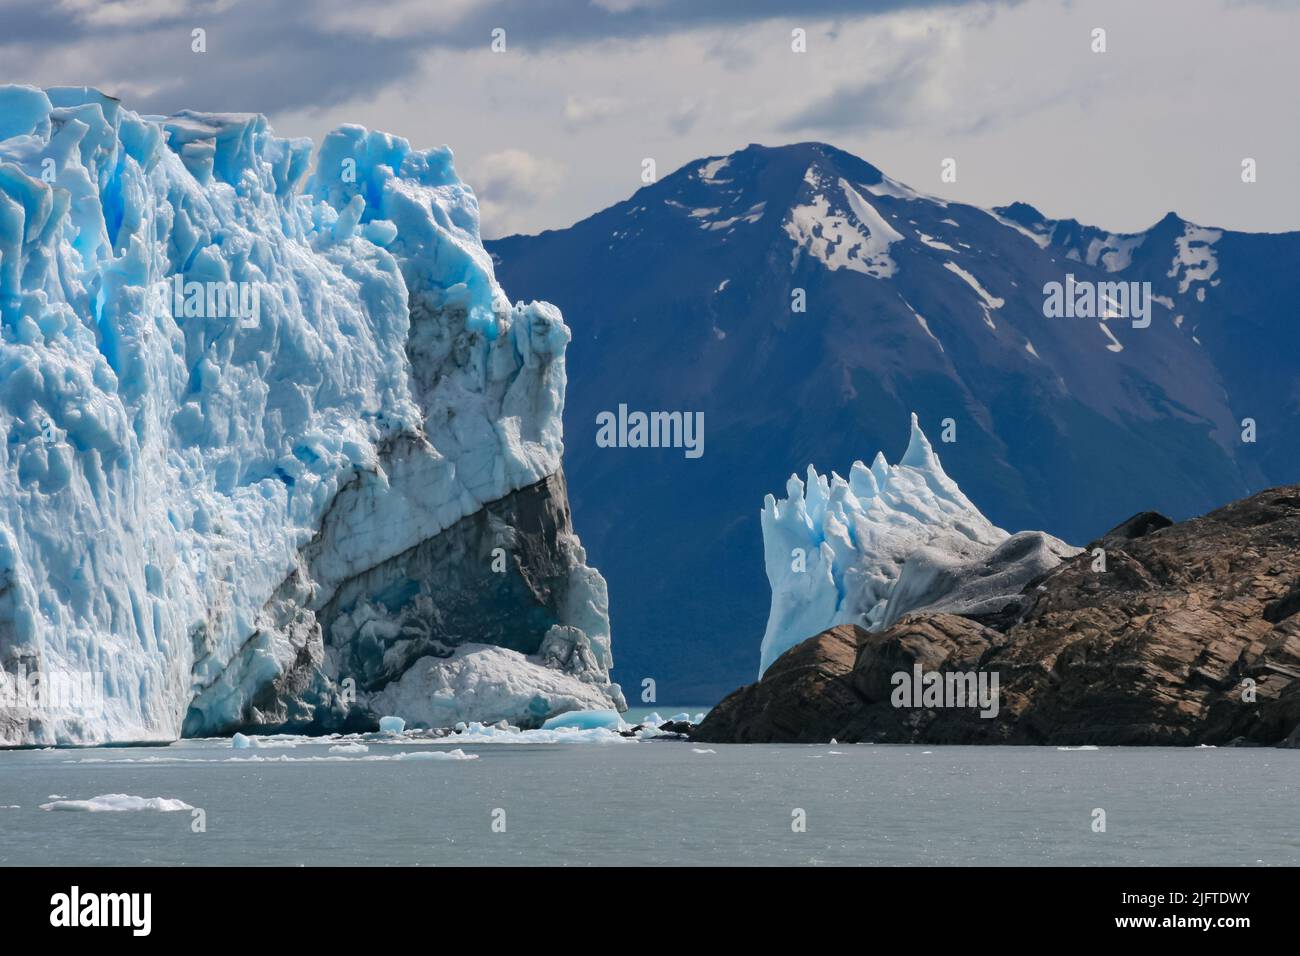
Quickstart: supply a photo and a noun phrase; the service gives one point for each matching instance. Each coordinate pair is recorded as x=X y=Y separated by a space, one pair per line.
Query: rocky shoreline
x=1156 y=634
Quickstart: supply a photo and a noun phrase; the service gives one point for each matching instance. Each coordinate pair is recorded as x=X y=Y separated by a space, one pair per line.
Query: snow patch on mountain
x=988 y=301
x=1194 y=259
x=1115 y=253
x=856 y=237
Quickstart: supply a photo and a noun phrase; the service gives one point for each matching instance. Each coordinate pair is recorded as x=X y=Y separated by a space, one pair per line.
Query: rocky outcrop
x=802 y=697
x=1157 y=634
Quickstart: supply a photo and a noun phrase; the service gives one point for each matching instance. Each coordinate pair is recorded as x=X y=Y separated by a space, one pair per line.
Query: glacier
x=267 y=521
x=890 y=540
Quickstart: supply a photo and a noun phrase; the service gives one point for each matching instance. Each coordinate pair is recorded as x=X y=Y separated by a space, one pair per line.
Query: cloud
x=313 y=54
x=590 y=110
x=508 y=184
x=882 y=103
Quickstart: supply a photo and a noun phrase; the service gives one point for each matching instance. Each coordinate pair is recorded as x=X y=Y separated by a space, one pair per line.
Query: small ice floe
x=349 y=749
x=119 y=802
x=840 y=753
x=1084 y=747
x=240 y=742
x=456 y=754
x=927 y=751
x=10 y=806
x=587 y=720
x=698 y=750
x=834 y=742
x=391 y=725
x=476 y=733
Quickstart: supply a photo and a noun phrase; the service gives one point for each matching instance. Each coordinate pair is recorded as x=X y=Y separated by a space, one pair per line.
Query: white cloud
x=590 y=110
x=508 y=184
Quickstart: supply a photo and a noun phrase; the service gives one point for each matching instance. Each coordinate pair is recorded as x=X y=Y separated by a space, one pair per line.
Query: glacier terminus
x=347 y=506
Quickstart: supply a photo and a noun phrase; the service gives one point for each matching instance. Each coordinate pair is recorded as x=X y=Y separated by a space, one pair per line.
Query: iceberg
x=271 y=438
x=119 y=803
x=586 y=720
x=890 y=540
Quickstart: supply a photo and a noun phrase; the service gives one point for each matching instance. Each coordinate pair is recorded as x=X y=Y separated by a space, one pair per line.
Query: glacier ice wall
x=186 y=487
x=889 y=540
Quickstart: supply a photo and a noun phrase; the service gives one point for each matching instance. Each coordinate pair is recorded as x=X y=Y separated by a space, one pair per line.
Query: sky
x=556 y=126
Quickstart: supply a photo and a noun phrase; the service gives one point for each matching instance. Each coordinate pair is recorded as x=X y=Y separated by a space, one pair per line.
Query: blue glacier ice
x=889 y=540
x=211 y=508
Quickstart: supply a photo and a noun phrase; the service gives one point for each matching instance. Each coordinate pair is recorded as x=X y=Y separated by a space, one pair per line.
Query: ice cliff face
x=268 y=516
x=889 y=540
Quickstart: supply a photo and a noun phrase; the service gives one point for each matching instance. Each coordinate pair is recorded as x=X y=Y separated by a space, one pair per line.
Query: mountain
x=1188 y=635
x=683 y=298
x=278 y=453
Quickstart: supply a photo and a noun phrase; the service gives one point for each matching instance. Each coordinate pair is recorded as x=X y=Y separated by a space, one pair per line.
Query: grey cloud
x=271 y=57
x=879 y=103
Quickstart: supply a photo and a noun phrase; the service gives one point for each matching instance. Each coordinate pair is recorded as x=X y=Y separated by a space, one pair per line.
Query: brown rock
x=804 y=697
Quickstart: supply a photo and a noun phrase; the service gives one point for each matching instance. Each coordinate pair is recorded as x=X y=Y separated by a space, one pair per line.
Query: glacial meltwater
x=602 y=799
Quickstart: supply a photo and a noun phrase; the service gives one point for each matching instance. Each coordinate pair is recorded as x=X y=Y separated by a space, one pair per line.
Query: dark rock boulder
x=1139 y=526
x=803 y=698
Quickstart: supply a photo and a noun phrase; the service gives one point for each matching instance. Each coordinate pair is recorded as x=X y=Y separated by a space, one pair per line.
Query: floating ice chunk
x=119 y=802
x=586 y=720
x=241 y=742
x=349 y=749
x=477 y=733
x=391 y=725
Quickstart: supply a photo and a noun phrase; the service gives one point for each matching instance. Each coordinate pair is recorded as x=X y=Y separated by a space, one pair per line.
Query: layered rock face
x=1189 y=633
x=272 y=442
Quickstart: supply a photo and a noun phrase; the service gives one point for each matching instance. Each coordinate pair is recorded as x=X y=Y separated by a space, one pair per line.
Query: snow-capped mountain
x=687 y=295
x=278 y=453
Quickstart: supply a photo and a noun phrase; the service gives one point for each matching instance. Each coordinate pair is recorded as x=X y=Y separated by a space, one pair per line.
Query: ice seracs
x=890 y=539
x=226 y=517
